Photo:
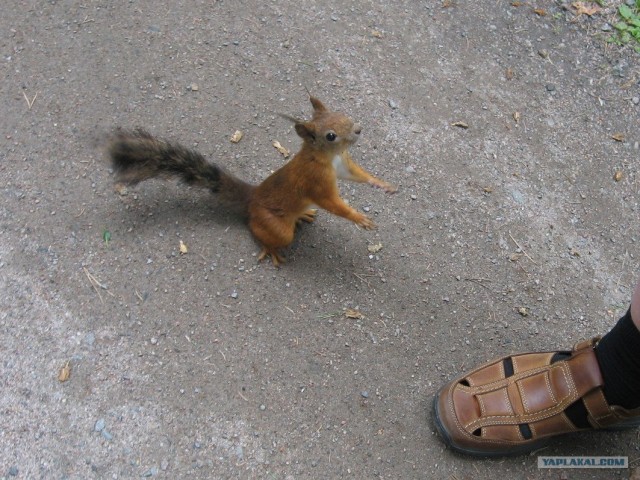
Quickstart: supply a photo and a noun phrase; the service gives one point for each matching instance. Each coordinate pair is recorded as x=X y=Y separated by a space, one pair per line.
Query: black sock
x=618 y=354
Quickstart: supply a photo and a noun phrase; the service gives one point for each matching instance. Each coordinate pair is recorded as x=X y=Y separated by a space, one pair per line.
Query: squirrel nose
x=357 y=129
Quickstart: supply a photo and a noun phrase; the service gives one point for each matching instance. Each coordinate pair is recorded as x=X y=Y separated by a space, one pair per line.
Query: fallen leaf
x=283 y=151
x=460 y=124
x=375 y=248
x=584 y=8
x=573 y=252
x=618 y=137
x=353 y=313
x=540 y=12
x=514 y=257
x=65 y=372
x=516 y=4
x=121 y=189
x=516 y=116
x=376 y=34
x=183 y=248
x=237 y=136
x=618 y=176
x=509 y=73
x=487 y=189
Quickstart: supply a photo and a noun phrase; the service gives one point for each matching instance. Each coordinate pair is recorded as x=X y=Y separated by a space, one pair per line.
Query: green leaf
x=625 y=11
x=622 y=26
x=106 y=236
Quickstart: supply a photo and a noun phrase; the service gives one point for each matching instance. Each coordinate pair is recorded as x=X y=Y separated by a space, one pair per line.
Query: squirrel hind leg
x=276 y=258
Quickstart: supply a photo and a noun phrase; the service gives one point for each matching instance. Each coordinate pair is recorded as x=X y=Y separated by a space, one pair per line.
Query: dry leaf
x=237 y=136
x=540 y=12
x=618 y=137
x=353 y=313
x=460 y=124
x=183 y=248
x=514 y=257
x=516 y=116
x=509 y=73
x=487 y=189
x=573 y=252
x=376 y=34
x=375 y=248
x=121 y=189
x=283 y=151
x=617 y=176
x=589 y=9
x=65 y=372
x=516 y=4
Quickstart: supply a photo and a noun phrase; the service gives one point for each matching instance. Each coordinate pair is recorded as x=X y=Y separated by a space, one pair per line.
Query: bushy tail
x=136 y=156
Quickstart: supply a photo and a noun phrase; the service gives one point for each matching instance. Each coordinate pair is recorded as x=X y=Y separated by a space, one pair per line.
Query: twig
x=30 y=102
x=522 y=249
x=243 y=397
x=479 y=282
x=91 y=281
x=363 y=279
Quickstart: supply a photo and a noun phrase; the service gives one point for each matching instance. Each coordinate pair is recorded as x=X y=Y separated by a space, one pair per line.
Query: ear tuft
x=318 y=106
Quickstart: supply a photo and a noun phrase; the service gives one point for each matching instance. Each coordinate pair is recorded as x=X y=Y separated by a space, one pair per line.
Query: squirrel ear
x=318 y=106
x=305 y=131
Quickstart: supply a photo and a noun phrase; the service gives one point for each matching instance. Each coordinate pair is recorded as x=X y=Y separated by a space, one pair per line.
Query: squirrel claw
x=275 y=258
x=308 y=216
x=388 y=188
x=366 y=223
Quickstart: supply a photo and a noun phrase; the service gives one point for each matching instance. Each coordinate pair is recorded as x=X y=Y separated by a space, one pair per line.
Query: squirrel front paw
x=387 y=187
x=366 y=223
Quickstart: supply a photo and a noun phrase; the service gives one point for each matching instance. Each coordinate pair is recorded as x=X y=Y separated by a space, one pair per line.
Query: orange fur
x=283 y=199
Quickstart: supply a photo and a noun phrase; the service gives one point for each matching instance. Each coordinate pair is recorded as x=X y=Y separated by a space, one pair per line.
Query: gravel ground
x=509 y=235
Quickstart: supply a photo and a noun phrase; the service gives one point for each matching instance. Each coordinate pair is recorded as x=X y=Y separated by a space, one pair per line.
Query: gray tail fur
x=137 y=156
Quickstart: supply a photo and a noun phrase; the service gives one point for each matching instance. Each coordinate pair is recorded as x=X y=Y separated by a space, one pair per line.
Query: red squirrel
x=285 y=198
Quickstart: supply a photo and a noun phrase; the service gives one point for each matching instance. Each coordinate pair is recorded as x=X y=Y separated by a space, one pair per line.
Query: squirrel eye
x=331 y=136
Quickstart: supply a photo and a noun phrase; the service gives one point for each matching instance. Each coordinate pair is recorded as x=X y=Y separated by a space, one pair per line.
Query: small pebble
x=410 y=169
x=366 y=209
x=154 y=341
x=263 y=407
x=151 y=472
x=551 y=87
x=99 y=426
x=414 y=197
x=164 y=464
x=234 y=294
x=13 y=471
x=364 y=394
x=606 y=27
x=393 y=104
x=636 y=100
x=106 y=435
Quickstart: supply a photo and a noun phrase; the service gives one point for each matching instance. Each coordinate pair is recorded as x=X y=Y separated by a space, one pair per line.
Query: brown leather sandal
x=517 y=404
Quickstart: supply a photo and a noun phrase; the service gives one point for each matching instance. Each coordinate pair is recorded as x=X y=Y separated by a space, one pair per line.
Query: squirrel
x=284 y=199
